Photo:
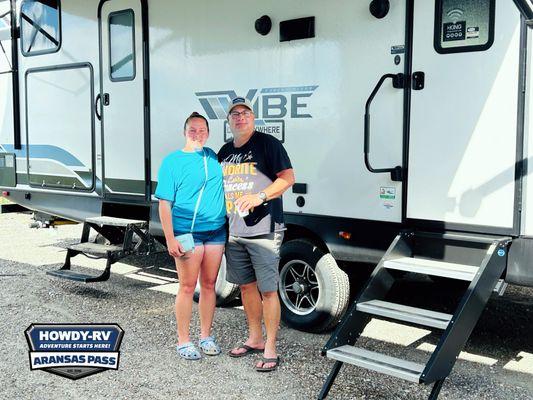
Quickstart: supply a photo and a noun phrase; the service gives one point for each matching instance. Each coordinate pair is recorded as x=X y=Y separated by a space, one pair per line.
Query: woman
x=191 y=200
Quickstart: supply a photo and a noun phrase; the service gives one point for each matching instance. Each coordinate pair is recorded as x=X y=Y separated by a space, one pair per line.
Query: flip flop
x=276 y=361
x=248 y=350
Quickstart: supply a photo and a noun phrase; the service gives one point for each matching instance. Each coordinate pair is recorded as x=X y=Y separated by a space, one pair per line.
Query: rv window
x=463 y=25
x=122 y=45
x=40 y=27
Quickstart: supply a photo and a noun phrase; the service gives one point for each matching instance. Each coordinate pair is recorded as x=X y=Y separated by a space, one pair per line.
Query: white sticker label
x=387 y=193
x=472 y=32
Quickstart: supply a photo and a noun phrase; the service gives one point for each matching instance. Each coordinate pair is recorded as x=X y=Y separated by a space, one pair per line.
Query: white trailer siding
x=213 y=47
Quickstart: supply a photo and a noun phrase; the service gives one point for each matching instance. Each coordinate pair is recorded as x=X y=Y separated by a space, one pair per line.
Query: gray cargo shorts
x=251 y=259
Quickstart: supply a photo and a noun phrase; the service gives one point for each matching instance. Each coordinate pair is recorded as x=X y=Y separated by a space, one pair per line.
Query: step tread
x=460 y=236
x=433 y=267
x=114 y=221
x=406 y=313
x=378 y=362
x=76 y=276
x=95 y=248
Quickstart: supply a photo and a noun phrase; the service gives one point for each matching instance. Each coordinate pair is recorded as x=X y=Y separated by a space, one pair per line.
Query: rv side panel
x=310 y=93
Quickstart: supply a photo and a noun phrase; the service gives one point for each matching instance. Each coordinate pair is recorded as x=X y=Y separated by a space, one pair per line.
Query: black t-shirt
x=249 y=169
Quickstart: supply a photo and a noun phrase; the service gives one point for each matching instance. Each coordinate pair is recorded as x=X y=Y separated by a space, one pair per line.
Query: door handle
x=398 y=82
x=97 y=108
x=100 y=100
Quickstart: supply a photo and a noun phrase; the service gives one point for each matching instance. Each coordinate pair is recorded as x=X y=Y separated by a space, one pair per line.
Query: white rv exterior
x=102 y=107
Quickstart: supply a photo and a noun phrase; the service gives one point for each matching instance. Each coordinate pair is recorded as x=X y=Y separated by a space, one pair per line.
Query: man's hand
x=248 y=201
x=174 y=248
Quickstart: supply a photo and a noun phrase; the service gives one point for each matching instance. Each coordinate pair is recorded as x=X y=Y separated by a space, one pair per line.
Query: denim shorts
x=218 y=236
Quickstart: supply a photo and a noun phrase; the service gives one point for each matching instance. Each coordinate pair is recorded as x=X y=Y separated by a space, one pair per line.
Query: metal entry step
x=432 y=267
x=482 y=278
x=76 y=276
x=97 y=249
x=464 y=237
x=378 y=362
x=405 y=313
x=113 y=221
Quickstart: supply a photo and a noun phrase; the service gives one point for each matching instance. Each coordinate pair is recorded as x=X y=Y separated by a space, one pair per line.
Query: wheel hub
x=299 y=287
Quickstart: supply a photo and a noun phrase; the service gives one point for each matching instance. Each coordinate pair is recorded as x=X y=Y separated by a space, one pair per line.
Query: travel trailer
x=407 y=123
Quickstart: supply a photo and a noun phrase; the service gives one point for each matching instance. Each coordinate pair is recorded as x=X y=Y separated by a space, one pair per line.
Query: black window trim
x=461 y=49
x=41 y=52
x=112 y=14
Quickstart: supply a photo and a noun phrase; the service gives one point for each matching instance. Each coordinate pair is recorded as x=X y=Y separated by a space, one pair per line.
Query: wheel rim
x=299 y=287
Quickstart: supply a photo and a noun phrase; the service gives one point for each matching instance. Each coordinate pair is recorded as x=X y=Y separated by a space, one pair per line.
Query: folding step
x=432 y=267
x=96 y=249
x=76 y=276
x=113 y=221
x=378 y=362
x=405 y=313
x=464 y=237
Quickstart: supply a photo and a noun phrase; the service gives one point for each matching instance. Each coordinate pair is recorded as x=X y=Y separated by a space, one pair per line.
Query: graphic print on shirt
x=241 y=176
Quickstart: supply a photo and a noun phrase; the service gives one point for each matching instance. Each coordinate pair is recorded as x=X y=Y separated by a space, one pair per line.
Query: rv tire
x=314 y=291
x=225 y=291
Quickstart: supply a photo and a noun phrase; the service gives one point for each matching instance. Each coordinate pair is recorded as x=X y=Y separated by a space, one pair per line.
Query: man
x=257 y=171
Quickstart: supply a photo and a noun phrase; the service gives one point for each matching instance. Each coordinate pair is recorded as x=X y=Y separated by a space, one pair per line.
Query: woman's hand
x=174 y=248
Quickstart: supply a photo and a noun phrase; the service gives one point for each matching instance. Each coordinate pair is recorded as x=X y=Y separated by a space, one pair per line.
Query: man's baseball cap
x=240 y=101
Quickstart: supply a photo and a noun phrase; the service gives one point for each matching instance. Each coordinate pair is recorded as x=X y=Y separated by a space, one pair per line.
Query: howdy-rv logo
x=272 y=106
x=74 y=351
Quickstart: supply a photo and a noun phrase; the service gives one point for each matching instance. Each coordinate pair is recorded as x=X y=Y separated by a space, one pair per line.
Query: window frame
x=110 y=15
x=41 y=52
x=437 y=32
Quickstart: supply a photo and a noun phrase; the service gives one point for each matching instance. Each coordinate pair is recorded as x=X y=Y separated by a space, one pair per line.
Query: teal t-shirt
x=181 y=177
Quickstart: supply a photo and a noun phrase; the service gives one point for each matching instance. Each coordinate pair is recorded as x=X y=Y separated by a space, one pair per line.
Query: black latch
x=106 y=99
x=418 y=80
x=396 y=175
x=398 y=82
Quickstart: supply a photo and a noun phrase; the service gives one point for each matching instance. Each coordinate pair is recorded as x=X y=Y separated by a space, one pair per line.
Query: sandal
x=247 y=350
x=188 y=351
x=262 y=368
x=209 y=346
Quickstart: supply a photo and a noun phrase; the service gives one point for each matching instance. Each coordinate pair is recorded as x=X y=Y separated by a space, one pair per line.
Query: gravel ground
x=497 y=363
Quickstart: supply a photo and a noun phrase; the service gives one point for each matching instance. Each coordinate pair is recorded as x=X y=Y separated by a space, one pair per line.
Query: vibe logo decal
x=272 y=107
x=74 y=351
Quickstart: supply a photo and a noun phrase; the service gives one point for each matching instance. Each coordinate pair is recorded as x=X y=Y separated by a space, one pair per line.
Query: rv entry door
x=464 y=107
x=121 y=100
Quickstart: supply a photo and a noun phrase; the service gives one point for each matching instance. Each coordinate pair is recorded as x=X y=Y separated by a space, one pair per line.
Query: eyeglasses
x=236 y=114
